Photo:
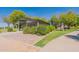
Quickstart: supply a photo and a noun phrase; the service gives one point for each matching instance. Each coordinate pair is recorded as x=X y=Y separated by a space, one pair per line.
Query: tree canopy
x=7 y=20
x=69 y=19
x=40 y=19
x=16 y=15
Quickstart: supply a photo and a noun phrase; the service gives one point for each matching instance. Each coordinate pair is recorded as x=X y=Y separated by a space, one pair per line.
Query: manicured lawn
x=52 y=36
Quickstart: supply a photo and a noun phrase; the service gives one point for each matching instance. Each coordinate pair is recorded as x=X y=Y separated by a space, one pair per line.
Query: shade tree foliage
x=68 y=19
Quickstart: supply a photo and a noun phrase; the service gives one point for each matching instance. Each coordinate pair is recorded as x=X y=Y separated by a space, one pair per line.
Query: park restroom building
x=29 y=22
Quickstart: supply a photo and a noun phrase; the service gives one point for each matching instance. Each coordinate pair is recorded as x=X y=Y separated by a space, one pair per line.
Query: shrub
x=1 y=30
x=29 y=30
x=42 y=29
x=9 y=29
x=51 y=28
x=14 y=30
x=77 y=27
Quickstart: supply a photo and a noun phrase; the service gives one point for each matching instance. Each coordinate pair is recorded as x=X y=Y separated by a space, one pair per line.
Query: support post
x=37 y=25
x=50 y=23
x=18 y=26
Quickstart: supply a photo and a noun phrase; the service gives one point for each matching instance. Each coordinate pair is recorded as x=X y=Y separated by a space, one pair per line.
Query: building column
x=37 y=25
x=50 y=23
x=18 y=26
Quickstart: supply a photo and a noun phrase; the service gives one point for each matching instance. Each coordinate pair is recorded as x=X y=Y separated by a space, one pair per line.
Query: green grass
x=52 y=36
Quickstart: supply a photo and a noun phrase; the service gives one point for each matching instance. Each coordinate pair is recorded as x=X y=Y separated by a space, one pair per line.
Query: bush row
x=9 y=29
x=42 y=29
x=29 y=30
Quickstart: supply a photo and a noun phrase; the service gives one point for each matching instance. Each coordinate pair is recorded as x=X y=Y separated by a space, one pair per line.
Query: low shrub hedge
x=9 y=29
x=1 y=30
x=42 y=30
x=51 y=28
x=14 y=30
x=29 y=30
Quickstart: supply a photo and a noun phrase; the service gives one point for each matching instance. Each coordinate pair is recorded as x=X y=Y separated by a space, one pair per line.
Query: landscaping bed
x=52 y=36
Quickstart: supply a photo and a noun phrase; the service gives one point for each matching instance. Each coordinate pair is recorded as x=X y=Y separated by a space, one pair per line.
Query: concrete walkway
x=66 y=43
x=16 y=41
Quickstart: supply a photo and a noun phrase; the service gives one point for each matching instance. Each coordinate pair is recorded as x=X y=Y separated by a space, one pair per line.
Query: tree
x=77 y=20
x=62 y=17
x=16 y=15
x=7 y=20
x=55 y=21
x=69 y=19
x=40 y=19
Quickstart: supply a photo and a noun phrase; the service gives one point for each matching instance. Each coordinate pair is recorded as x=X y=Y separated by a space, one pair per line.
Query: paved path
x=66 y=43
x=16 y=41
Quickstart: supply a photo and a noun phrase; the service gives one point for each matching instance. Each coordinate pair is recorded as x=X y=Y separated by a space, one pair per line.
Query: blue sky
x=46 y=12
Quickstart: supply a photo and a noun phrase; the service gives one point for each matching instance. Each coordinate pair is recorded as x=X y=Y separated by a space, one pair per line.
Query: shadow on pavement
x=75 y=37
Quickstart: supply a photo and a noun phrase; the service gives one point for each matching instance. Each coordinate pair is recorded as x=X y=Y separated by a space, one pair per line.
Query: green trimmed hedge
x=1 y=30
x=51 y=27
x=9 y=29
x=42 y=30
x=29 y=30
